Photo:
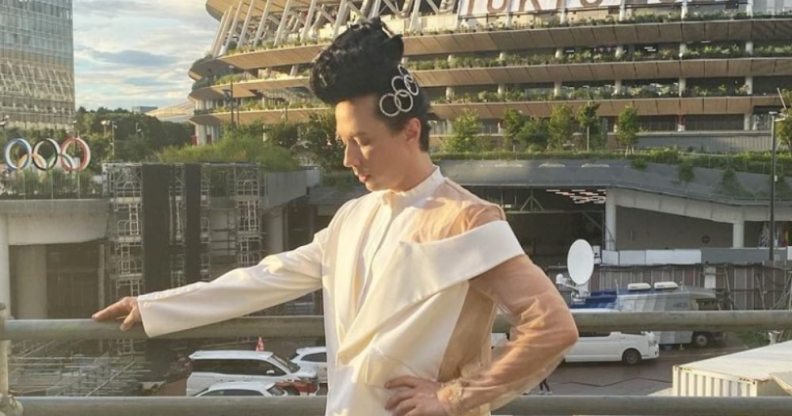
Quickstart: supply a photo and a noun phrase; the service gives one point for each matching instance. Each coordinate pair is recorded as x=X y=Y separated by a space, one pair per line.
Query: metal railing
x=311 y=326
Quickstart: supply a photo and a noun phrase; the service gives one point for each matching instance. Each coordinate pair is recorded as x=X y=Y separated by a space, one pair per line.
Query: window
x=320 y=357
x=286 y=363
x=233 y=392
x=262 y=368
x=594 y=334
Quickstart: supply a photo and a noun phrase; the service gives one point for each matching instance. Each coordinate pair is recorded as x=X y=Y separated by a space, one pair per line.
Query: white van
x=629 y=348
x=212 y=367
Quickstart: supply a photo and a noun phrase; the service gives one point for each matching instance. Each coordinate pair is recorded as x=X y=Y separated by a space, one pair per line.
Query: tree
x=561 y=126
x=319 y=140
x=784 y=129
x=627 y=128
x=466 y=130
x=136 y=137
x=283 y=134
x=239 y=144
x=534 y=133
x=513 y=123
x=589 y=122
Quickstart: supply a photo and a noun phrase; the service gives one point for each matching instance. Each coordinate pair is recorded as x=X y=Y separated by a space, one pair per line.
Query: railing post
x=3 y=353
x=8 y=405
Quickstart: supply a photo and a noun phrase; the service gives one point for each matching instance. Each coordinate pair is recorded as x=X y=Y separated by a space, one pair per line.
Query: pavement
x=650 y=377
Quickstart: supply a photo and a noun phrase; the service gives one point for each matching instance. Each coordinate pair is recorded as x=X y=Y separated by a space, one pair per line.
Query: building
x=178 y=113
x=36 y=63
x=686 y=66
x=142 y=109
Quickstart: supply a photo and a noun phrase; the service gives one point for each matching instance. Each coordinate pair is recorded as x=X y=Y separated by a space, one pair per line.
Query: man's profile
x=411 y=273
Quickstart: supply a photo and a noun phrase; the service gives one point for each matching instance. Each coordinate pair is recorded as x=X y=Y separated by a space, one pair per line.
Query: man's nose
x=351 y=156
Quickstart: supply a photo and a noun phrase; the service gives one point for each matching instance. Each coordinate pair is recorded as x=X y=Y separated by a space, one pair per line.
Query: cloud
x=135 y=58
x=138 y=52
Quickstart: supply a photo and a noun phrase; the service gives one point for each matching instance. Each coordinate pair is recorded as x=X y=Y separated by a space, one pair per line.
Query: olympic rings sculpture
x=404 y=89
x=32 y=154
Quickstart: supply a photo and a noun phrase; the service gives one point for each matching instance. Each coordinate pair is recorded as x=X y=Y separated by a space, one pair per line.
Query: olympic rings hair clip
x=404 y=89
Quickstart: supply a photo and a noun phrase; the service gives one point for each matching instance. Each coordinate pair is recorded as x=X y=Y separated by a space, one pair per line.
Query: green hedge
x=752 y=162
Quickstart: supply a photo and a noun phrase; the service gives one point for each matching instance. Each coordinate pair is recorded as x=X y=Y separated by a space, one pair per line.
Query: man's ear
x=412 y=131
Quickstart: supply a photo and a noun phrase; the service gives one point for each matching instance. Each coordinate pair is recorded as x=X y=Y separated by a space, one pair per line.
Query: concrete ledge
x=60 y=206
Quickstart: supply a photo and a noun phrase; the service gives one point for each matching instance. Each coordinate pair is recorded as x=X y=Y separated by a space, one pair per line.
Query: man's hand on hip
x=413 y=396
x=126 y=309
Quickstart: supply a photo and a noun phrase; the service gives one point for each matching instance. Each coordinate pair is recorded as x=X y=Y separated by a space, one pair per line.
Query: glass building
x=36 y=63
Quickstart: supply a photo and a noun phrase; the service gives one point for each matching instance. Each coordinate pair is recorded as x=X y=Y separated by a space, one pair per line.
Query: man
x=411 y=273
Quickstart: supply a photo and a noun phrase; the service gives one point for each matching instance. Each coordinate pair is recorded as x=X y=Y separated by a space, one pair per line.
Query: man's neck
x=418 y=173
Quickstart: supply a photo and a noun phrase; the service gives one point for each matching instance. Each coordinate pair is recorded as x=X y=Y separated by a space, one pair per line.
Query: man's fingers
x=131 y=320
x=115 y=310
x=397 y=398
x=404 y=407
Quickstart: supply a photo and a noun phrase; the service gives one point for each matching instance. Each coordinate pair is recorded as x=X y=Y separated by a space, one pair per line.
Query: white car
x=242 y=388
x=312 y=357
x=211 y=367
x=629 y=348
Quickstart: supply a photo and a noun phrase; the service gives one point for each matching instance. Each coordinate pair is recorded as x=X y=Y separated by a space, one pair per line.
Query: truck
x=660 y=297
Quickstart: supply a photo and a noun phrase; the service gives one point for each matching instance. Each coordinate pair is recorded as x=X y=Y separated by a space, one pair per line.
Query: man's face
x=378 y=157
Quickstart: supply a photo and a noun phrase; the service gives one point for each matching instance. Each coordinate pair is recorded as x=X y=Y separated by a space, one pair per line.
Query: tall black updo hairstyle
x=366 y=60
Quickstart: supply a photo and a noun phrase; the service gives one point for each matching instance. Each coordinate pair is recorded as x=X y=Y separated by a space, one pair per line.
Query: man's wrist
x=450 y=397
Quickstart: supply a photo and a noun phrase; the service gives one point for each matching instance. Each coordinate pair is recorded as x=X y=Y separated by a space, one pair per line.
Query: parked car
x=243 y=388
x=629 y=348
x=312 y=357
x=211 y=367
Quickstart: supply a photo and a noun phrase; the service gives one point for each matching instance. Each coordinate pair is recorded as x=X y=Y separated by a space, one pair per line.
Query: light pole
x=113 y=126
x=772 y=184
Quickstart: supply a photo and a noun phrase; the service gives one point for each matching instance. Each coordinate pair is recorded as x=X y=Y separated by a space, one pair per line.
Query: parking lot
x=645 y=378
x=648 y=377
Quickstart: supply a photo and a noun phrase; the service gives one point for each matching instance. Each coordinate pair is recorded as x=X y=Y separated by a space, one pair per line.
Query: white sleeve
x=276 y=279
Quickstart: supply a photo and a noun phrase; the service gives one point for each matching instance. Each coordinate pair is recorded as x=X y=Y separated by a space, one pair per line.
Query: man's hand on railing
x=126 y=309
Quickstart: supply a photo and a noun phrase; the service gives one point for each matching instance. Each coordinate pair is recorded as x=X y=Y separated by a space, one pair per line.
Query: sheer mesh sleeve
x=543 y=330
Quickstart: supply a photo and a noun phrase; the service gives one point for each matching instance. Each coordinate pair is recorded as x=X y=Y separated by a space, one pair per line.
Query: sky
x=137 y=52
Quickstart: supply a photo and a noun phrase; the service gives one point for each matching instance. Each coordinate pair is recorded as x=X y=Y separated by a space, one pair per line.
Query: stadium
x=698 y=72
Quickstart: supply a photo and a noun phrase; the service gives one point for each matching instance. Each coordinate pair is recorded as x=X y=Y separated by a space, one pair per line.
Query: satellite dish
x=580 y=262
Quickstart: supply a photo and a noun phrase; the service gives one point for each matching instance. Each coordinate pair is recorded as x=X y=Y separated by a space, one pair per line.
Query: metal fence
x=311 y=326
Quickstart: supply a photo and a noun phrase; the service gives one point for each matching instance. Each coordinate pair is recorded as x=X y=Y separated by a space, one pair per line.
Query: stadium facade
x=36 y=64
x=684 y=65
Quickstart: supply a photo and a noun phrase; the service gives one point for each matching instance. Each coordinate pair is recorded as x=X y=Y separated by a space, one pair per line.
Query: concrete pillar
x=501 y=89
x=682 y=86
x=5 y=264
x=617 y=86
x=682 y=49
x=610 y=221
x=738 y=234
x=559 y=53
x=31 y=282
x=749 y=47
x=684 y=11
x=619 y=51
x=749 y=8
x=749 y=84
x=449 y=93
x=681 y=123
x=275 y=243
x=100 y=276
x=557 y=88
x=747 y=125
